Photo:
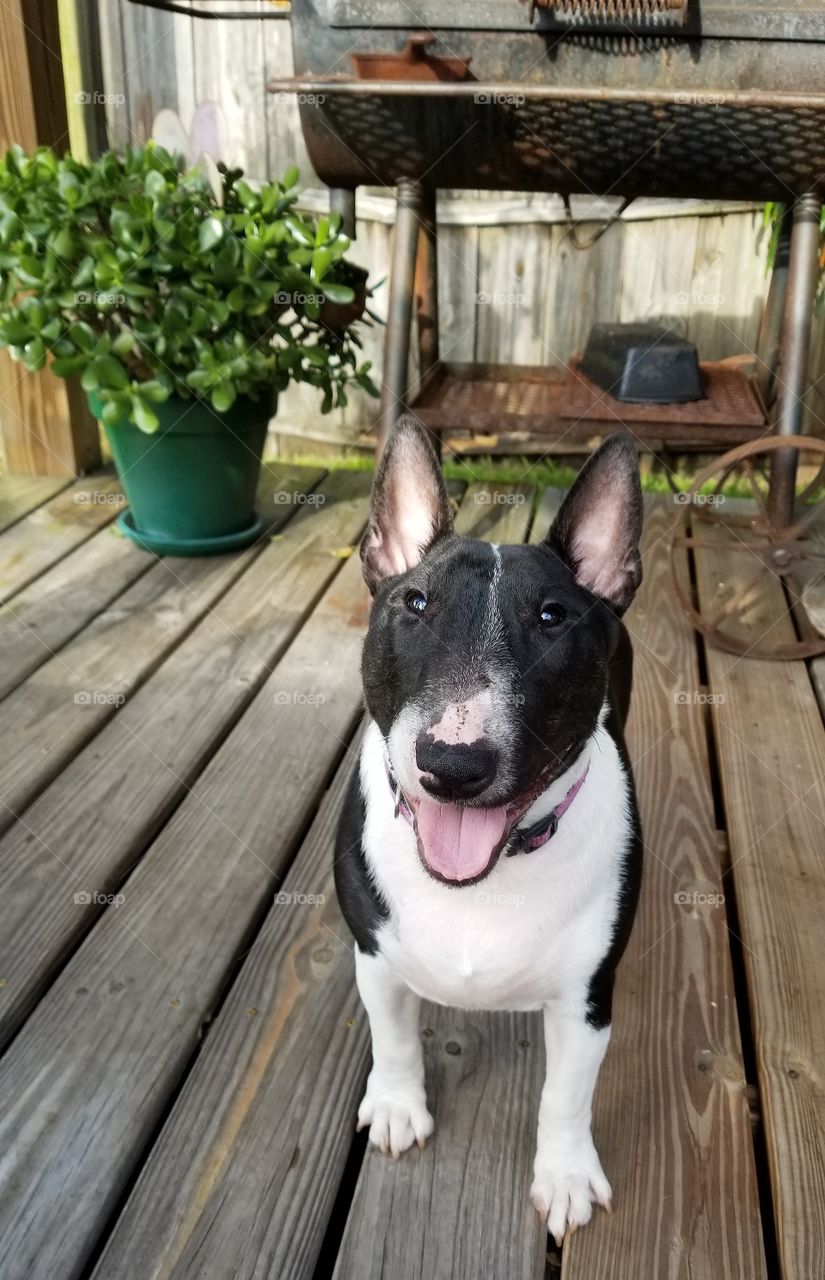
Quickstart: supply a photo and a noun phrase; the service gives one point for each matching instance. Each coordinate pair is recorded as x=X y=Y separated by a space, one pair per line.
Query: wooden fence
x=513 y=286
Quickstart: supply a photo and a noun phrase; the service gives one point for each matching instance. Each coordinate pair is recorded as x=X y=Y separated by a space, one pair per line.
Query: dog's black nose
x=455 y=771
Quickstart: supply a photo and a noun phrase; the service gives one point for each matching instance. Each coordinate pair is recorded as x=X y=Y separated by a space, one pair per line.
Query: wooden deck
x=183 y=1046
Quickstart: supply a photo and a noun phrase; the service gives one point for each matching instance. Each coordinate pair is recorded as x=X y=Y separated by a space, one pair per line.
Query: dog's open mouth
x=457 y=843
x=460 y=844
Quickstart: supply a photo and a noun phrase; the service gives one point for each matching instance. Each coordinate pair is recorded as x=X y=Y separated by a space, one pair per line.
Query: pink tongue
x=458 y=843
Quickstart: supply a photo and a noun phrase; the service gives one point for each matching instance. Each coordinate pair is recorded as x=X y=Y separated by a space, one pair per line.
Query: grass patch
x=543 y=473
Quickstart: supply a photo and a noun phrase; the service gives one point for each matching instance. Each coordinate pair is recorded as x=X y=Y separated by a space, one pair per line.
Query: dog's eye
x=415 y=601
x=551 y=615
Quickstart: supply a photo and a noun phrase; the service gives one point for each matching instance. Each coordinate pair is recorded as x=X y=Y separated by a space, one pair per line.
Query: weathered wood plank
x=89 y=1076
x=49 y=718
x=85 y=832
x=723 y=306
x=484 y=1077
x=256 y=1145
x=657 y=276
x=509 y=296
x=771 y=748
x=149 y=67
x=533 y=208
x=43 y=617
x=592 y=277
x=47 y=534
x=45 y=424
x=21 y=494
x=546 y=511
x=495 y=511
x=457 y=250
x=228 y=67
x=671 y=1118
x=806 y=573
x=281 y=125
x=460 y=1209
x=117 y=101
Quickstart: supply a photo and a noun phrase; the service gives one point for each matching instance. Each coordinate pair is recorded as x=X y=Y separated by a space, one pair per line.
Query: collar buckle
x=534 y=837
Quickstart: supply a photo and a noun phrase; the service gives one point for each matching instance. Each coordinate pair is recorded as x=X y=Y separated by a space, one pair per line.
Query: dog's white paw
x=397 y=1116
x=566 y=1185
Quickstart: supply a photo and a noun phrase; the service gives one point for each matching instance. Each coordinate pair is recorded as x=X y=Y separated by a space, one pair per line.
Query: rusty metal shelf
x=560 y=404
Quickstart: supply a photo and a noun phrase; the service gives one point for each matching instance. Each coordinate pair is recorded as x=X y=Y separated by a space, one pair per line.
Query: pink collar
x=527 y=839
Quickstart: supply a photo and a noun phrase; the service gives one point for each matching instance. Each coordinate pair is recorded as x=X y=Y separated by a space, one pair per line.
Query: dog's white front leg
x=395 y=1104
x=567 y=1176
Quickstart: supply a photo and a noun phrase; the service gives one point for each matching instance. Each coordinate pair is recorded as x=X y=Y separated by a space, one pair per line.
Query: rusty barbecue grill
x=616 y=97
x=719 y=99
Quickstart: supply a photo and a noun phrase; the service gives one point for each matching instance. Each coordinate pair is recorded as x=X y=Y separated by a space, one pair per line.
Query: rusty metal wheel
x=794 y=552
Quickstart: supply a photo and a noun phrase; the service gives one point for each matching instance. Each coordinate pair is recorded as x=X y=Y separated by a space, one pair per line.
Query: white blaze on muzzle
x=464 y=722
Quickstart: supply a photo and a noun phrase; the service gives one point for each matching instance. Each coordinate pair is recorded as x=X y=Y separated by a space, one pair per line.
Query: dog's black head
x=486 y=667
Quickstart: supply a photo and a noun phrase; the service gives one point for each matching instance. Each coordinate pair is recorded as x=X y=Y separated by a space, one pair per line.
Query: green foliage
x=772 y=215
x=140 y=278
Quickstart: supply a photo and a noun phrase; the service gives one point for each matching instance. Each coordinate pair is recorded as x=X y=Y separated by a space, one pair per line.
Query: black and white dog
x=489 y=854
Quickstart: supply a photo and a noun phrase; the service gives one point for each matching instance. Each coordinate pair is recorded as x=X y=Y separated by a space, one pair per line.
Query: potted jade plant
x=185 y=300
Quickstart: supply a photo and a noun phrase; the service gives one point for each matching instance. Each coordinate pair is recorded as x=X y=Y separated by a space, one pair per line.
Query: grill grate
x=721 y=145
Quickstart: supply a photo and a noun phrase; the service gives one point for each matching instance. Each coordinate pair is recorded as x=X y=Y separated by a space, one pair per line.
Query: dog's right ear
x=598 y=528
x=410 y=509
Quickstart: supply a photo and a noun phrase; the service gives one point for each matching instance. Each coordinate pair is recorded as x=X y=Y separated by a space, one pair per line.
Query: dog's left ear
x=410 y=509
x=598 y=528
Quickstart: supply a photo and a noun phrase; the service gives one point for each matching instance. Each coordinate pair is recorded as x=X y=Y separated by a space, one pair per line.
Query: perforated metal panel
x=501 y=137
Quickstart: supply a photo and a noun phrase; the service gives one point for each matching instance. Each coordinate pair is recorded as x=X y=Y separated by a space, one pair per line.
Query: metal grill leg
x=342 y=200
x=796 y=337
x=769 y=342
x=400 y=308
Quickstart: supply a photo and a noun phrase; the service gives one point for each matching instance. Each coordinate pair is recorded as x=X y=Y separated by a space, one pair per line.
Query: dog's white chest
x=535 y=927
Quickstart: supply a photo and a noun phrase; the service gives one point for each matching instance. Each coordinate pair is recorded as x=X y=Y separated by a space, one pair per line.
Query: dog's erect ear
x=598 y=528
x=410 y=509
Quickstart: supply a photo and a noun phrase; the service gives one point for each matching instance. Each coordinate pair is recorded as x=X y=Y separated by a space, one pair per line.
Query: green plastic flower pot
x=191 y=484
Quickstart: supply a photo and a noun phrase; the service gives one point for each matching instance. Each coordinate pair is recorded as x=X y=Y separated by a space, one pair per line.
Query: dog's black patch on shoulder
x=363 y=907
x=600 y=991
